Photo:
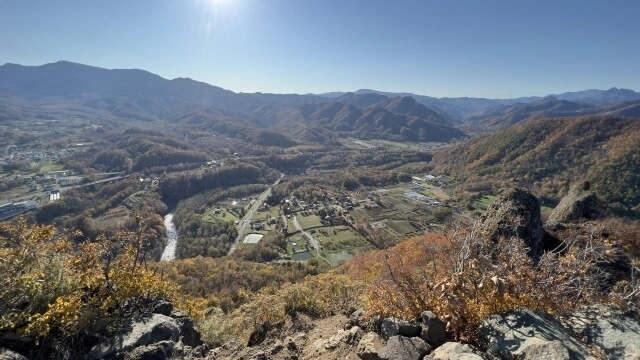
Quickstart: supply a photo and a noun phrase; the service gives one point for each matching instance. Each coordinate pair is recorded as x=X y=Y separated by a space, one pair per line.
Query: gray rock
x=163 y=308
x=159 y=351
x=579 y=203
x=543 y=349
x=260 y=355
x=139 y=331
x=453 y=351
x=516 y=213
x=189 y=334
x=357 y=318
x=404 y=348
x=393 y=326
x=609 y=330
x=276 y=348
x=368 y=346
x=509 y=335
x=290 y=343
x=434 y=330
x=6 y=354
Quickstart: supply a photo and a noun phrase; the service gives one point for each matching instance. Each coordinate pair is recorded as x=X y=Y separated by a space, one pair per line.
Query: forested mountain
x=140 y=95
x=374 y=121
x=549 y=154
x=551 y=107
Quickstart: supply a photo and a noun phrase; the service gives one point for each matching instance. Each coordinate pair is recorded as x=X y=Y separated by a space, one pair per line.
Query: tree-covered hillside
x=549 y=154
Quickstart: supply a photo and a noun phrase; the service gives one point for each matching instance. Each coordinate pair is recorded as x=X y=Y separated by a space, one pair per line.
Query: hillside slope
x=548 y=154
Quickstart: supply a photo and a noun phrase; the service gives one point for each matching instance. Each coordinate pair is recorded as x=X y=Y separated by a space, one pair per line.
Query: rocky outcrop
x=6 y=354
x=369 y=346
x=404 y=348
x=390 y=327
x=613 y=333
x=153 y=336
x=453 y=351
x=526 y=334
x=580 y=203
x=516 y=213
x=139 y=331
x=434 y=330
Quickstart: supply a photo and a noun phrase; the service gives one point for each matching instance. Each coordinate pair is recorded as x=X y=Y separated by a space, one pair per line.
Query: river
x=169 y=252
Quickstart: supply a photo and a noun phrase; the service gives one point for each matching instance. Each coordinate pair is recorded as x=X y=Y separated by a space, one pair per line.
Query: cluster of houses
x=49 y=181
x=24 y=153
x=212 y=164
x=438 y=180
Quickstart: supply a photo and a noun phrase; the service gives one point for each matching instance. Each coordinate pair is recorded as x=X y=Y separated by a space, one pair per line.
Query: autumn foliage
x=463 y=278
x=56 y=293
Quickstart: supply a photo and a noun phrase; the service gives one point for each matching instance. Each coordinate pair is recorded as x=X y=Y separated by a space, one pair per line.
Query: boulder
x=579 y=203
x=6 y=354
x=357 y=318
x=159 y=351
x=139 y=331
x=543 y=349
x=516 y=213
x=615 y=334
x=349 y=337
x=453 y=351
x=434 y=330
x=368 y=346
x=393 y=326
x=404 y=348
x=189 y=334
x=163 y=308
x=516 y=333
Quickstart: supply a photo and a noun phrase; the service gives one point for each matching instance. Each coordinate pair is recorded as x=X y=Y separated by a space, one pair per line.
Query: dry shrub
x=463 y=278
x=58 y=294
x=317 y=296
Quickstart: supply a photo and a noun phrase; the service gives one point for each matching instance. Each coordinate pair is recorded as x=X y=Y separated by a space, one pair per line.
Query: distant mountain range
x=464 y=106
x=281 y=118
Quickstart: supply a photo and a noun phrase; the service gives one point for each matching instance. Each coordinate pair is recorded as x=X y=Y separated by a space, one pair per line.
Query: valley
x=238 y=199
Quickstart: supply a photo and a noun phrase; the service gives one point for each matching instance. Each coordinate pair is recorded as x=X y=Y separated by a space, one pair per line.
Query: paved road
x=312 y=241
x=92 y=183
x=244 y=222
x=40 y=194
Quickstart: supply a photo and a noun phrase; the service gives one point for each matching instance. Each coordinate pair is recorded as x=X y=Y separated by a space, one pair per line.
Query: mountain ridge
x=126 y=81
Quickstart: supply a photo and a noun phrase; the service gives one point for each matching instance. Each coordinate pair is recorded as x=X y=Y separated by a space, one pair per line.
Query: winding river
x=169 y=252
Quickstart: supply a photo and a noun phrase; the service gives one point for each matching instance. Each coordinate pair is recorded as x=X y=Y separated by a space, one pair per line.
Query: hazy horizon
x=467 y=49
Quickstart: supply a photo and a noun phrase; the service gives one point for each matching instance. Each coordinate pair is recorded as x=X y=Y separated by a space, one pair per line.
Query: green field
x=339 y=257
x=401 y=227
x=307 y=222
x=483 y=203
x=360 y=216
x=340 y=238
x=224 y=216
x=51 y=167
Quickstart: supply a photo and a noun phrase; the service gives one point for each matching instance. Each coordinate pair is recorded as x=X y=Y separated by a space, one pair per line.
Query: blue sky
x=479 y=48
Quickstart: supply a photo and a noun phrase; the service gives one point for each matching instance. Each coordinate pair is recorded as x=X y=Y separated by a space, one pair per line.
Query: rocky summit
x=516 y=213
x=579 y=204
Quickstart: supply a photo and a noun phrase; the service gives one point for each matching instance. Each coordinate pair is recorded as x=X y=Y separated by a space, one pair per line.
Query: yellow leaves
x=65 y=288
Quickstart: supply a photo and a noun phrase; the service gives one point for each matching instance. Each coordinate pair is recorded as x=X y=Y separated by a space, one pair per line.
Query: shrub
x=317 y=296
x=463 y=279
x=57 y=294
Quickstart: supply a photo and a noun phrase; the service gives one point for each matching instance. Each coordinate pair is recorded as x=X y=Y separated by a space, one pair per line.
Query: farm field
x=224 y=216
x=51 y=167
x=340 y=238
x=307 y=222
x=483 y=203
x=401 y=227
